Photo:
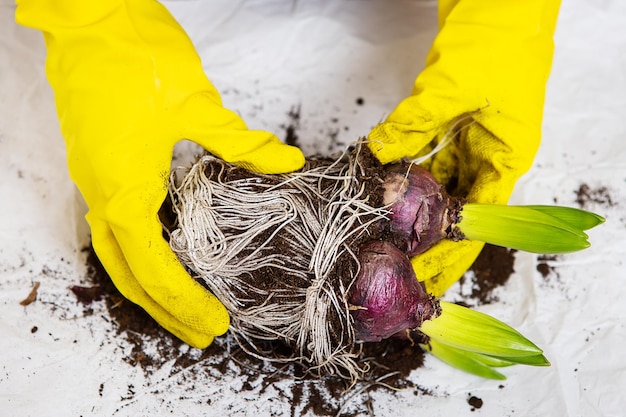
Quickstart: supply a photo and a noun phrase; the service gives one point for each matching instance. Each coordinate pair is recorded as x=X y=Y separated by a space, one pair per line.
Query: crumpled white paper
x=345 y=65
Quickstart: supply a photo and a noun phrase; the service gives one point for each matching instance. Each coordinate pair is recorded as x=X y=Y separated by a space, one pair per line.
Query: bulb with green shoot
x=422 y=214
x=389 y=302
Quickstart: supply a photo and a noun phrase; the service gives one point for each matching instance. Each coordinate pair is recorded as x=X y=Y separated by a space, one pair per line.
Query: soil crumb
x=544 y=266
x=475 y=402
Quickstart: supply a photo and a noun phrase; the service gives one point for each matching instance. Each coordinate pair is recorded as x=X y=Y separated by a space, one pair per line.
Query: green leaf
x=476 y=342
x=476 y=363
x=460 y=359
x=537 y=360
x=462 y=328
x=523 y=228
x=577 y=218
x=491 y=360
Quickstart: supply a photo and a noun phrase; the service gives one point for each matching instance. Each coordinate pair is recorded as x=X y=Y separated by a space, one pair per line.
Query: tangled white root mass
x=279 y=252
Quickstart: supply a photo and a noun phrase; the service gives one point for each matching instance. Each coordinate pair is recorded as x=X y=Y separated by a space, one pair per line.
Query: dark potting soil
x=491 y=270
x=395 y=358
x=392 y=360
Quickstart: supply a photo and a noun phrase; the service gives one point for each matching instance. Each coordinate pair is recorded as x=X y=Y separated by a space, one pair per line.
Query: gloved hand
x=486 y=75
x=128 y=85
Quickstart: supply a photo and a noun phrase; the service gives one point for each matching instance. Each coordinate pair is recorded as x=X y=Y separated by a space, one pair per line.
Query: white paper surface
x=267 y=57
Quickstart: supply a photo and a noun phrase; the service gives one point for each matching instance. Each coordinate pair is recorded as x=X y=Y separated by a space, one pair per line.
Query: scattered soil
x=587 y=195
x=292 y=127
x=394 y=359
x=330 y=142
x=490 y=270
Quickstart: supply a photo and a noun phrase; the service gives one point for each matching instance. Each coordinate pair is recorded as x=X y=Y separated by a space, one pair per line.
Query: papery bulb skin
x=420 y=208
x=386 y=297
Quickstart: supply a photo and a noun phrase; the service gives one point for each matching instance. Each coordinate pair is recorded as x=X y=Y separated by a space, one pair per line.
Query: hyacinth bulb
x=386 y=297
x=419 y=207
x=387 y=301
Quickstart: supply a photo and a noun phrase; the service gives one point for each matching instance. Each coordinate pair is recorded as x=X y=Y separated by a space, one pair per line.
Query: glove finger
x=224 y=134
x=191 y=330
x=443 y=264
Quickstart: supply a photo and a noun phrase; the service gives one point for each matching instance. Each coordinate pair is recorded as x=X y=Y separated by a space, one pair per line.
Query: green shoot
x=476 y=342
x=537 y=229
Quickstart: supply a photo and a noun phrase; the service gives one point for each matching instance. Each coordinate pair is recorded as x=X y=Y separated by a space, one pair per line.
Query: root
x=279 y=252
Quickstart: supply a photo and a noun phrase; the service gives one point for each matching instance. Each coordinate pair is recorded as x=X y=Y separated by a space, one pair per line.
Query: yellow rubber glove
x=128 y=85
x=486 y=74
